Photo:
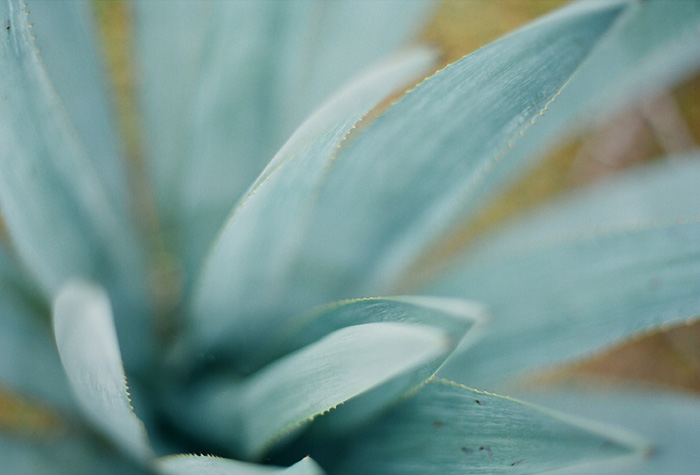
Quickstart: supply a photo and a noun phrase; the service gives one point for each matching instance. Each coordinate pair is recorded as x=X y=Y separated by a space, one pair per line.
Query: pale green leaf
x=670 y=421
x=66 y=38
x=29 y=363
x=291 y=391
x=583 y=273
x=323 y=240
x=89 y=350
x=250 y=257
x=450 y=429
x=461 y=320
x=59 y=218
x=225 y=83
x=61 y=454
x=424 y=164
x=205 y=465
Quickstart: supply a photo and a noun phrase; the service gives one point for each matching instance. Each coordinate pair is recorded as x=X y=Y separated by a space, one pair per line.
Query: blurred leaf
x=583 y=273
x=59 y=218
x=216 y=113
x=251 y=255
x=87 y=344
x=29 y=363
x=203 y=465
x=670 y=420
x=65 y=37
x=461 y=430
x=291 y=391
x=63 y=455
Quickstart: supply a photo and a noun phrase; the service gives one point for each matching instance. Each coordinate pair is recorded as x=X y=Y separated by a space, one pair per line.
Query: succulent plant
x=246 y=313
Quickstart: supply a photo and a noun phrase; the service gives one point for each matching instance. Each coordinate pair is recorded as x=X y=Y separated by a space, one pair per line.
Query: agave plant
x=246 y=314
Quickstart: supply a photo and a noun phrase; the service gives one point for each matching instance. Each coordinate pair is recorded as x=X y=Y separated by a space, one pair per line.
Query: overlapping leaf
x=461 y=430
x=631 y=262
x=253 y=251
x=669 y=420
x=228 y=82
x=385 y=183
x=284 y=395
x=65 y=37
x=89 y=350
x=59 y=217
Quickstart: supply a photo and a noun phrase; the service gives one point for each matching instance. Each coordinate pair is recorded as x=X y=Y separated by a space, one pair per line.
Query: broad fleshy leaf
x=583 y=273
x=670 y=421
x=281 y=397
x=59 y=218
x=204 y=465
x=384 y=182
x=452 y=429
x=89 y=350
x=461 y=320
x=228 y=82
x=249 y=259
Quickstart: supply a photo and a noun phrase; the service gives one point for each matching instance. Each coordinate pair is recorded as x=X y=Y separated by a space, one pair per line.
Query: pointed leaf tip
x=89 y=350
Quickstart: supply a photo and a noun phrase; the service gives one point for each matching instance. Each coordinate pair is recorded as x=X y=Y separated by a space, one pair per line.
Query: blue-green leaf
x=462 y=321
x=424 y=164
x=65 y=36
x=253 y=413
x=669 y=421
x=225 y=83
x=248 y=263
x=60 y=220
x=583 y=273
x=455 y=430
x=61 y=454
x=89 y=350
x=29 y=363
x=301 y=242
x=204 y=465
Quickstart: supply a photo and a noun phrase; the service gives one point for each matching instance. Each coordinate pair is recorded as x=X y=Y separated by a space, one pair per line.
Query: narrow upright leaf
x=225 y=84
x=236 y=301
x=66 y=37
x=87 y=344
x=59 y=218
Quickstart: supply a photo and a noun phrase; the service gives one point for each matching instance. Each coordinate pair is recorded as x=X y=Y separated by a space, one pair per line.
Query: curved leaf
x=668 y=420
x=259 y=410
x=555 y=295
x=249 y=259
x=462 y=321
x=256 y=69
x=204 y=465
x=454 y=429
x=65 y=35
x=87 y=344
x=309 y=242
x=427 y=161
x=59 y=218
